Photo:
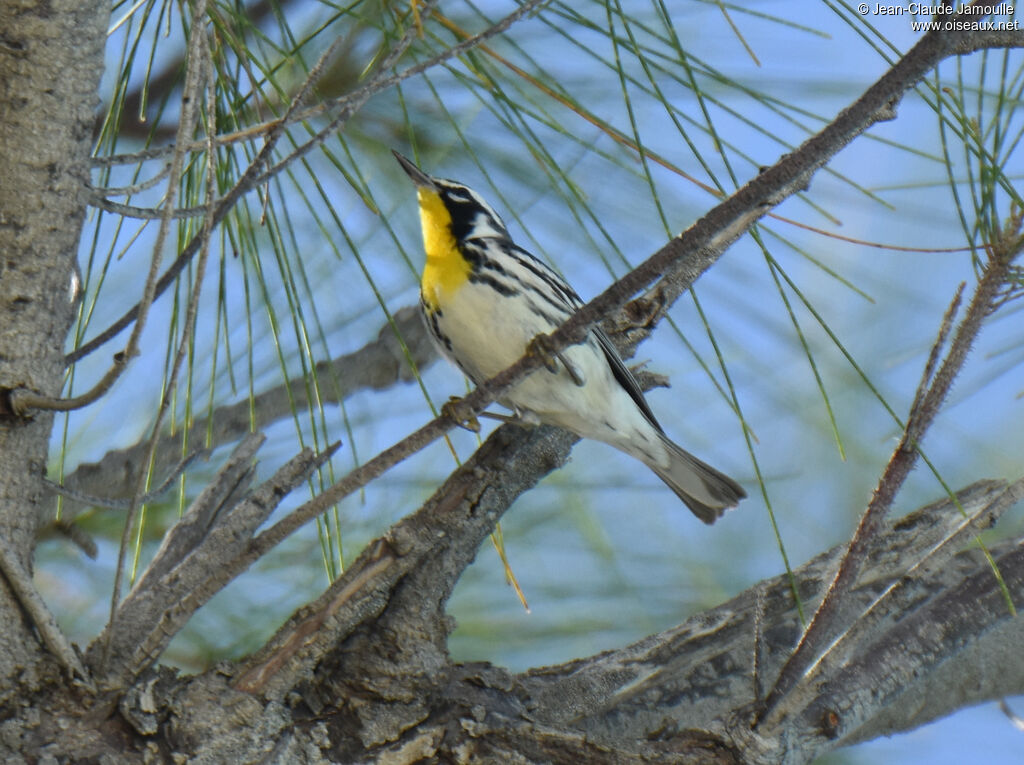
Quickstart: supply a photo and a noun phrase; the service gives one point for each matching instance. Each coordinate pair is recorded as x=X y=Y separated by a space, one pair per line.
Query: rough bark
x=51 y=58
x=363 y=673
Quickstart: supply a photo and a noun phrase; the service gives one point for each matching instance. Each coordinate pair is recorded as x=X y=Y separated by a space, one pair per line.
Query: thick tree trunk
x=363 y=674
x=51 y=59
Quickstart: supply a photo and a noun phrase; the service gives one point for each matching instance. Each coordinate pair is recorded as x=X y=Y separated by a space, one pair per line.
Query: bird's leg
x=540 y=346
x=448 y=409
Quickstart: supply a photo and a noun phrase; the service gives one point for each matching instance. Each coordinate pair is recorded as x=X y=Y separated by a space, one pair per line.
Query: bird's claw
x=449 y=409
x=540 y=346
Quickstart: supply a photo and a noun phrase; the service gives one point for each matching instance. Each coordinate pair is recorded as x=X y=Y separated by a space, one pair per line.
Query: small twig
x=150 y=213
x=78 y=536
x=1012 y=716
x=192 y=308
x=349 y=105
x=20 y=582
x=112 y=503
x=102 y=192
x=823 y=626
x=186 y=125
x=195 y=524
x=935 y=353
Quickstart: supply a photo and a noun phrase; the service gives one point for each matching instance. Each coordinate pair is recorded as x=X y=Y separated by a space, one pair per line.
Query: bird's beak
x=420 y=178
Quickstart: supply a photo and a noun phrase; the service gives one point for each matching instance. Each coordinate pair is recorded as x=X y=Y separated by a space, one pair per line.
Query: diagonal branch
x=423 y=555
x=681 y=261
x=825 y=625
x=20 y=581
x=253 y=177
x=197 y=559
x=379 y=364
x=864 y=691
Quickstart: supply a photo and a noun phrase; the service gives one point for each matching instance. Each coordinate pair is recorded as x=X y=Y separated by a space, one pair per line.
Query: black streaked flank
x=553 y=321
x=505 y=290
x=528 y=296
x=435 y=327
x=539 y=280
x=545 y=274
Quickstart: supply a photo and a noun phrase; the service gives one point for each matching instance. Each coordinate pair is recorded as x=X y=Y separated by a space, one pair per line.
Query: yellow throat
x=446 y=270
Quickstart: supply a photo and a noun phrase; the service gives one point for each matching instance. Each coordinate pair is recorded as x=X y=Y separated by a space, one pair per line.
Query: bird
x=485 y=299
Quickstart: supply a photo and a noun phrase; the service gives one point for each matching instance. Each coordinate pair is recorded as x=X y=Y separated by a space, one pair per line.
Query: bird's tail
x=707 y=492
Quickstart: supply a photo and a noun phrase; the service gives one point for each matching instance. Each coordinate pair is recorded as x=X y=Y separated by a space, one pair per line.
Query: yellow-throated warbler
x=484 y=299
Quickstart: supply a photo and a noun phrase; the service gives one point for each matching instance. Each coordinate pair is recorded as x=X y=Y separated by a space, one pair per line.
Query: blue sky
x=604 y=552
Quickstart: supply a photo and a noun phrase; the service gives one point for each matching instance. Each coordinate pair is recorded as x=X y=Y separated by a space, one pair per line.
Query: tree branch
x=825 y=625
x=702 y=669
x=378 y=365
x=378 y=690
x=680 y=261
x=348 y=106
x=425 y=553
x=197 y=559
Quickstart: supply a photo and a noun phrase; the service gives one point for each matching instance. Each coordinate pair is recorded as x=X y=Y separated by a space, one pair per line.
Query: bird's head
x=451 y=209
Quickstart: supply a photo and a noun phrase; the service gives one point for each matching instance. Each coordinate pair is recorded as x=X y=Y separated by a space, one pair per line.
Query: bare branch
x=56 y=642
x=388 y=687
x=115 y=503
x=379 y=364
x=221 y=492
x=625 y=684
x=681 y=261
x=825 y=624
x=199 y=556
x=349 y=105
x=102 y=193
